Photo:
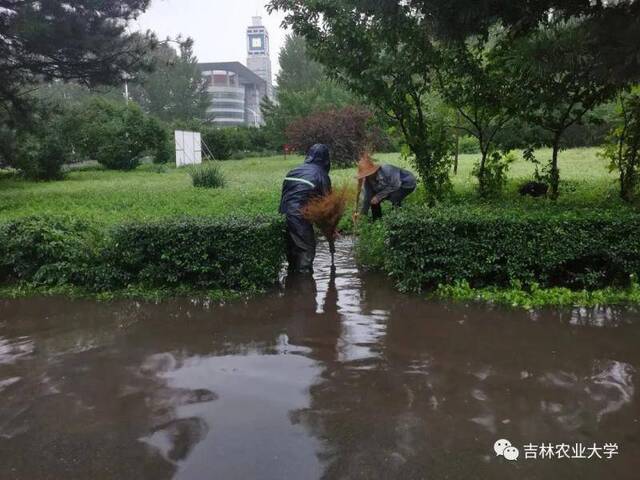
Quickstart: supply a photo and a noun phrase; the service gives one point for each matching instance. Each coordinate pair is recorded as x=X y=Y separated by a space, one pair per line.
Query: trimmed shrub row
x=200 y=253
x=424 y=248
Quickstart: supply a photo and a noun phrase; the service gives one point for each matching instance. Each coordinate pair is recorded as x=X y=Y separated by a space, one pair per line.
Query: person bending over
x=300 y=185
x=381 y=182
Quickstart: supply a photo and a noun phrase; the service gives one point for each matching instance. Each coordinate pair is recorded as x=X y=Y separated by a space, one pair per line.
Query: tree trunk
x=554 y=174
x=623 y=185
x=456 y=158
x=481 y=172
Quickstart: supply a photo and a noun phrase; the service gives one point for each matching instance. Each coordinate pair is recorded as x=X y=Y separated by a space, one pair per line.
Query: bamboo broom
x=325 y=213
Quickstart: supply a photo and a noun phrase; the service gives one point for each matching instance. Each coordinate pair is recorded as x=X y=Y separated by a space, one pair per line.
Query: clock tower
x=259 y=53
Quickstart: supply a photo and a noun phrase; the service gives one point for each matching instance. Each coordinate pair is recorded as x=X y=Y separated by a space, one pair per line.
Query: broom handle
x=360 y=182
x=332 y=251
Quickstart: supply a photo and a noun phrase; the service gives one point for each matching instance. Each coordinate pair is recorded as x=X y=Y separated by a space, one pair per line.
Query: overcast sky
x=219 y=27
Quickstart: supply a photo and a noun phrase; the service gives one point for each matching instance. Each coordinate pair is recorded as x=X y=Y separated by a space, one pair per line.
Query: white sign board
x=188 y=148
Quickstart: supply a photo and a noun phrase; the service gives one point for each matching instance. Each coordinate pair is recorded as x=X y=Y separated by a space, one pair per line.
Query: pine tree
x=84 y=41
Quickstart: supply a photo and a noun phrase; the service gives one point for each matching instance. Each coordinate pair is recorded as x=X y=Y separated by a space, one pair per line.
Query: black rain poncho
x=301 y=184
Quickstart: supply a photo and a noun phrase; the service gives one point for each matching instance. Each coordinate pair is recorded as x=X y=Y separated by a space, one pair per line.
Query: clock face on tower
x=256 y=43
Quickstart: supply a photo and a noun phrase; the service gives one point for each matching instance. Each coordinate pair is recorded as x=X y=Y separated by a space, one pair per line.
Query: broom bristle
x=325 y=212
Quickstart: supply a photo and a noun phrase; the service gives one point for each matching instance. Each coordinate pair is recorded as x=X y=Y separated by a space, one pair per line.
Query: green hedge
x=200 y=253
x=577 y=249
x=49 y=251
x=208 y=253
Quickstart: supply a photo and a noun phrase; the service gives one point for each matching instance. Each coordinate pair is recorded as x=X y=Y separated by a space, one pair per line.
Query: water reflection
x=335 y=376
x=415 y=391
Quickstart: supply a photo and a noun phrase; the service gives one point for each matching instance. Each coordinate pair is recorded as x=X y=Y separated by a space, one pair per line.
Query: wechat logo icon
x=504 y=448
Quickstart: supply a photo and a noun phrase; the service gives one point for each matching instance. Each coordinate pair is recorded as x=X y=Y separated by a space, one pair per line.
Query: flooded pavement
x=336 y=377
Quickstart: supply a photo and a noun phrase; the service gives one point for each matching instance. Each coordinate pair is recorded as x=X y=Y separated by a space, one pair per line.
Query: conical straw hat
x=366 y=167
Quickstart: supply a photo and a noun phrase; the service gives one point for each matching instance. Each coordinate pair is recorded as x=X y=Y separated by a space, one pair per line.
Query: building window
x=223 y=115
x=228 y=95
x=229 y=105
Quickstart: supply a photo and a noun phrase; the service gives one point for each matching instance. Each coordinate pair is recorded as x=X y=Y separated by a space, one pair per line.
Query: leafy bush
x=468 y=144
x=231 y=142
x=623 y=144
x=493 y=177
x=370 y=248
x=235 y=254
x=46 y=251
x=40 y=157
x=117 y=135
x=247 y=139
x=207 y=175
x=159 y=142
x=36 y=146
x=577 y=249
x=348 y=132
x=225 y=143
x=432 y=152
x=218 y=142
x=205 y=253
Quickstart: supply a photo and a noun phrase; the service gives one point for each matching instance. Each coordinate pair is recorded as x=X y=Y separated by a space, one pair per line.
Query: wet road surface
x=336 y=377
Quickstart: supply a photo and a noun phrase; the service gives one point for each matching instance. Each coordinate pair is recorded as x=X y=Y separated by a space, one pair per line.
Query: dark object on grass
x=534 y=189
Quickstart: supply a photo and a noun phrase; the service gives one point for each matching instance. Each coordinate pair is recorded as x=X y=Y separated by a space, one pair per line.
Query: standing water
x=336 y=376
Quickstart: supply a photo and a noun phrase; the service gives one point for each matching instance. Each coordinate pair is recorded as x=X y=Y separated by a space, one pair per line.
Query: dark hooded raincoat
x=301 y=184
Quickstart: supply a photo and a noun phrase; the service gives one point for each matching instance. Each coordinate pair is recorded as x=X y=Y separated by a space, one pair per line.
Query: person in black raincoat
x=300 y=185
x=382 y=182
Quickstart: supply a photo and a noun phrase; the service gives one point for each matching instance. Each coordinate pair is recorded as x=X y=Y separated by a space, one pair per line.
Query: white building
x=259 y=53
x=237 y=91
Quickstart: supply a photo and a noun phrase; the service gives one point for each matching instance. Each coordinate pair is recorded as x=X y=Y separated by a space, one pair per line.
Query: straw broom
x=325 y=213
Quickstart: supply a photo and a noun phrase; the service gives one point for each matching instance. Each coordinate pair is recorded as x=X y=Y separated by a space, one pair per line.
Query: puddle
x=336 y=376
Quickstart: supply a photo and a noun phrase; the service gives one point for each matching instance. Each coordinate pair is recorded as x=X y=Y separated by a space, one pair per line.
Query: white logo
x=504 y=448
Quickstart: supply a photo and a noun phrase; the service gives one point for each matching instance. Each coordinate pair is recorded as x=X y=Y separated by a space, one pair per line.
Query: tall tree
x=383 y=52
x=174 y=90
x=474 y=85
x=553 y=81
x=298 y=72
x=304 y=87
x=84 y=40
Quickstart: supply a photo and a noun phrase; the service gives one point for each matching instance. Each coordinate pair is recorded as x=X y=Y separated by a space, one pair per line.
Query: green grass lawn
x=585 y=182
x=253 y=187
